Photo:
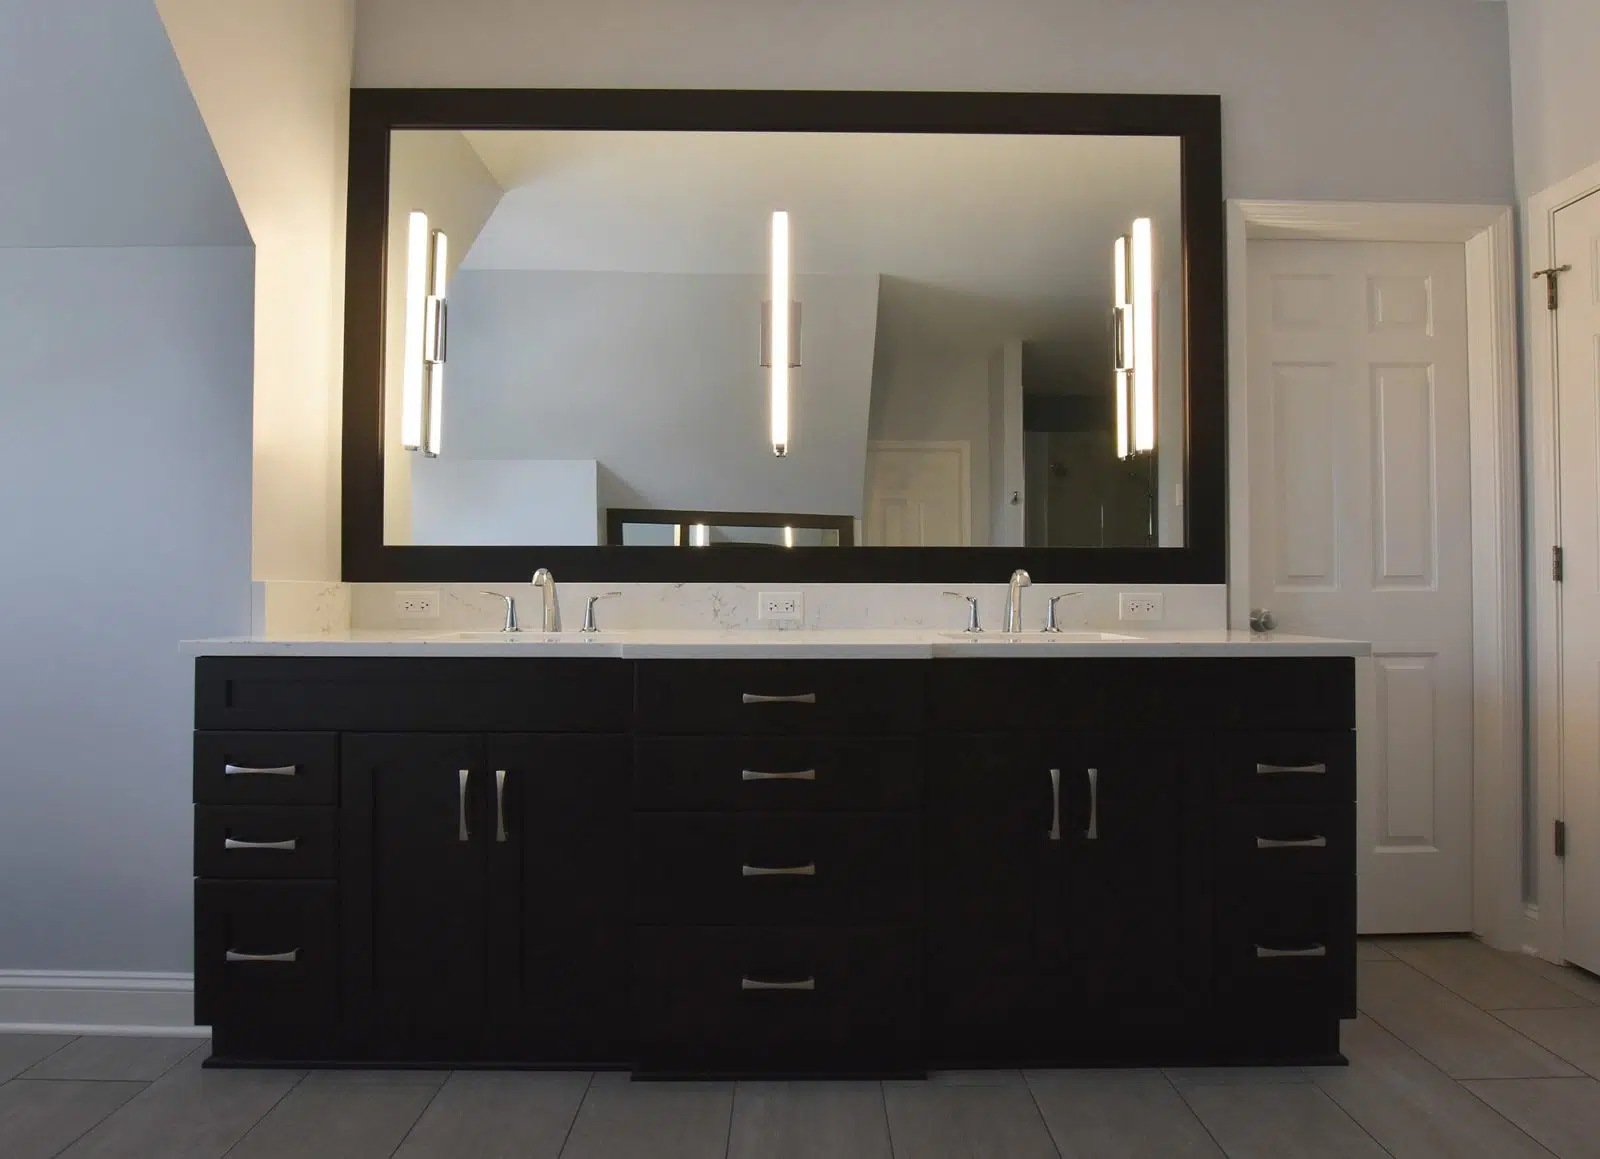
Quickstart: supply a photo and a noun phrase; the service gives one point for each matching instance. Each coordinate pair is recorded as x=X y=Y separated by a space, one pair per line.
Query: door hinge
x=1552 y=293
x=1558 y=564
x=1561 y=838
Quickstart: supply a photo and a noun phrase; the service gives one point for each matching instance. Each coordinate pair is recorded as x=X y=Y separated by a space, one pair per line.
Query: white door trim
x=1487 y=233
x=1544 y=635
x=961 y=446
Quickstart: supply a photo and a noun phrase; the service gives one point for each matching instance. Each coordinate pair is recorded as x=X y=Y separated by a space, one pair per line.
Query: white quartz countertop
x=806 y=643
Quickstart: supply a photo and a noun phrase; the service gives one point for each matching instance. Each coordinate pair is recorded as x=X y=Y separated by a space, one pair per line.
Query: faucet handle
x=972 y=610
x=511 y=610
x=588 y=610
x=1050 y=624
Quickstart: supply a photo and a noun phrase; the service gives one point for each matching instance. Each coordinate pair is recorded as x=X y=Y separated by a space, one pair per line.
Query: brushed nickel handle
x=802 y=698
x=239 y=956
x=500 y=805
x=462 y=832
x=280 y=846
x=1318 y=842
x=1266 y=770
x=802 y=775
x=1055 y=804
x=809 y=869
x=757 y=984
x=1316 y=951
x=1092 y=833
x=248 y=771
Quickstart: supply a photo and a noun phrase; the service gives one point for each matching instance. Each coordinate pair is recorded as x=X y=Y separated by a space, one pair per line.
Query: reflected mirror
x=585 y=337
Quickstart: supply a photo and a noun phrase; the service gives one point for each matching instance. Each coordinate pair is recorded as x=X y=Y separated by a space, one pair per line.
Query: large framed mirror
x=784 y=336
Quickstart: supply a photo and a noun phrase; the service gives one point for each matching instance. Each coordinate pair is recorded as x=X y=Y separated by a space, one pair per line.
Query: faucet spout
x=1019 y=580
x=543 y=580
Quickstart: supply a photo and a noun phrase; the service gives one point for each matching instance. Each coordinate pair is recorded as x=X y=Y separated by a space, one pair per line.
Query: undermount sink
x=523 y=637
x=1063 y=637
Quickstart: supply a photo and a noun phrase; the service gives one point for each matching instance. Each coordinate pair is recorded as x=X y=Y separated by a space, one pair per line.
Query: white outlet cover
x=1145 y=606
x=418 y=605
x=780 y=606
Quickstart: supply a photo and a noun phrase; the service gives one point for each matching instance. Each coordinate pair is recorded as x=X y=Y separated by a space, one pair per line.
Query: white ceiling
x=973 y=227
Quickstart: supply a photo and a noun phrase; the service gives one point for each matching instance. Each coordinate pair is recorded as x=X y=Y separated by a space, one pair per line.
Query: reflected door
x=1360 y=527
x=918 y=495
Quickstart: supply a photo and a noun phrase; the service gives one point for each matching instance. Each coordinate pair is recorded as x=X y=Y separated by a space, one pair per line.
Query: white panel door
x=918 y=495
x=1577 y=242
x=1360 y=527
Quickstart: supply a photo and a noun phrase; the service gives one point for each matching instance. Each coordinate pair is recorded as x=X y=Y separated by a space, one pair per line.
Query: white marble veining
x=812 y=644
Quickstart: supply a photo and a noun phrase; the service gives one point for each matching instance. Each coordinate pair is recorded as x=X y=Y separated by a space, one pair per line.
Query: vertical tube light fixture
x=427 y=321
x=780 y=351
x=1134 y=338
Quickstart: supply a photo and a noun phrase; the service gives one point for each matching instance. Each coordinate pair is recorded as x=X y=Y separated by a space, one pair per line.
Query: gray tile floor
x=1460 y=1053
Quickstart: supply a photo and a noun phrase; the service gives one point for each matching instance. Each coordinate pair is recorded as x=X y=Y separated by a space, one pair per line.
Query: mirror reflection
x=770 y=341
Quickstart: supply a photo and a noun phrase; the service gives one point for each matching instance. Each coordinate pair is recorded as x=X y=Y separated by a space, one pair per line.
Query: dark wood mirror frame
x=1197 y=120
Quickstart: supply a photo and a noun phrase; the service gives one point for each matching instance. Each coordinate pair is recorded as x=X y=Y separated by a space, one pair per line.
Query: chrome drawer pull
x=1301 y=843
x=757 y=984
x=802 y=698
x=247 y=771
x=463 y=777
x=1055 y=805
x=500 y=805
x=287 y=956
x=1316 y=951
x=1266 y=770
x=1092 y=833
x=280 y=846
x=809 y=869
x=802 y=775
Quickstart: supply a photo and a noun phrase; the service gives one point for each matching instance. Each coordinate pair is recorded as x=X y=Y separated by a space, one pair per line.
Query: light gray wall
x=1355 y=99
x=125 y=511
x=505 y=502
x=656 y=376
x=125 y=472
x=1555 y=74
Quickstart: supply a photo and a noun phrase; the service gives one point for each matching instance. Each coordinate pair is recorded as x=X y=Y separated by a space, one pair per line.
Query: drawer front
x=265 y=841
x=777 y=1001
x=266 y=768
x=777 y=773
x=1289 y=942
x=776 y=870
x=1288 y=767
x=265 y=950
x=1258 y=841
x=780 y=696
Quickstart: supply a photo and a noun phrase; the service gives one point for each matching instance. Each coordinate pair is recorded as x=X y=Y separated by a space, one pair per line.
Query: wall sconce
x=1133 y=302
x=699 y=535
x=427 y=322
x=780 y=334
x=788 y=537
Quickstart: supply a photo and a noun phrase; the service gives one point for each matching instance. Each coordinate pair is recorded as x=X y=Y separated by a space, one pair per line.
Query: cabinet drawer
x=266 y=768
x=780 y=696
x=777 y=1001
x=264 y=841
x=1288 y=767
x=265 y=950
x=1269 y=839
x=775 y=869
x=1289 y=941
x=777 y=773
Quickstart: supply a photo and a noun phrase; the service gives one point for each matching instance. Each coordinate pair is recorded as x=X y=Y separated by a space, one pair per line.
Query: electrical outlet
x=781 y=606
x=416 y=605
x=1141 y=606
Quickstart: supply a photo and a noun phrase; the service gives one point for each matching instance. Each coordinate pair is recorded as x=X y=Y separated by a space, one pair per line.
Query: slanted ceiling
x=122 y=161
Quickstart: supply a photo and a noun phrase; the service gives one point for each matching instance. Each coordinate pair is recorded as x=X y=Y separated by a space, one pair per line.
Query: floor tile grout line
x=1583 y=1003
x=261 y=1118
x=437 y=1091
x=1495 y=1014
x=1462 y=1083
x=1188 y=1106
x=883 y=1105
x=1038 y=1110
x=576 y=1111
x=76 y=1139
x=733 y=1104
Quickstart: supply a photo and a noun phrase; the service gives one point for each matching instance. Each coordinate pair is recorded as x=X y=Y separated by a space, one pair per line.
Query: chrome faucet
x=1019 y=580
x=972 y=610
x=1050 y=624
x=511 y=610
x=552 y=609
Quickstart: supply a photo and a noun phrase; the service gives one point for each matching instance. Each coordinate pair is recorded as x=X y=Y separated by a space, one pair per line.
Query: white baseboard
x=65 y=1002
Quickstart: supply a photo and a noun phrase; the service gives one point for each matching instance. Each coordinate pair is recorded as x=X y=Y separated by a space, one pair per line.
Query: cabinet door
x=989 y=814
x=1116 y=919
x=559 y=932
x=413 y=842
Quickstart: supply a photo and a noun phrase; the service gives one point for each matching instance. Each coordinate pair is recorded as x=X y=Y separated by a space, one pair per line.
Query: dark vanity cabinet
x=796 y=867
